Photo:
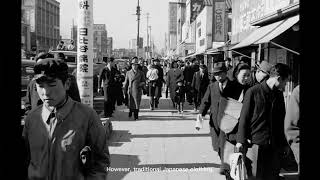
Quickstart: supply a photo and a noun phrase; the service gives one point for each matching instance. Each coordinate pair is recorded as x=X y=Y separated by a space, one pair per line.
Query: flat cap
x=50 y=67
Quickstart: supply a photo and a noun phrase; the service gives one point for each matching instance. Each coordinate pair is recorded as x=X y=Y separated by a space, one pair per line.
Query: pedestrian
x=107 y=75
x=152 y=78
x=174 y=74
x=160 y=82
x=228 y=139
x=61 y=46
x=32 y=97
x=222 y=87
x=180 y=95
x=71 y=46
x=200 y=82
x=292 y=123
x=260 y=133
x=230 y=68
x=145 y=67
x=188 y=76
x=262 y=72
x=133 y=84
x=65 y=139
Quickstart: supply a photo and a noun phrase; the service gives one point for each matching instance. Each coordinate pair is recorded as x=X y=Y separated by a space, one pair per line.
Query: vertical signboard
x=219 y=21
x=85 y=51
x=196 y=7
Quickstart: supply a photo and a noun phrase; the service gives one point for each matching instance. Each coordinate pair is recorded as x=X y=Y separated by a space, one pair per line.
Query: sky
x=120 y=19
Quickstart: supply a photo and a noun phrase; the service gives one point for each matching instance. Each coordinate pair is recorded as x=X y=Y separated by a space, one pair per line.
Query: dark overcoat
x=211 y=100
x=173 y=76
x=133 y=85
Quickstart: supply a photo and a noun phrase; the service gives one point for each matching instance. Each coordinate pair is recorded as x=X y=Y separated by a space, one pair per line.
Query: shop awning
x=286 y=24
x=266 y=33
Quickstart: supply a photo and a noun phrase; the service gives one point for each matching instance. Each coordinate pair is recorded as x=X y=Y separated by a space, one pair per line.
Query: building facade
x=109 y=46
x=74 y=31
x=172 y=28
x=99 y=42
x=43 y=16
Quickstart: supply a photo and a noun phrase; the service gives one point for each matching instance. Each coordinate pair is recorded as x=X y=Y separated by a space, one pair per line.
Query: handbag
x=228 y=113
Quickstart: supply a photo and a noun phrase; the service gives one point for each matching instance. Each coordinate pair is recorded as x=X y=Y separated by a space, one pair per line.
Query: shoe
x=136 y=119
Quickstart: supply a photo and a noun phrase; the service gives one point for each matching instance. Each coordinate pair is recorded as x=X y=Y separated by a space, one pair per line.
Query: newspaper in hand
x=199 y=122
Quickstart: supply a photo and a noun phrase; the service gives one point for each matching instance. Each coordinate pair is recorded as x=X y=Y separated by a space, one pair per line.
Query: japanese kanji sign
x=85 y=51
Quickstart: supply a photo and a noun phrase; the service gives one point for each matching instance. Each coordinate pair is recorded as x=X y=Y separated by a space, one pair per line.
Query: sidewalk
x=162 y=144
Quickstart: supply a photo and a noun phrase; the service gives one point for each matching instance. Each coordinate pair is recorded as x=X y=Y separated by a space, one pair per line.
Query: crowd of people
x=58 y=126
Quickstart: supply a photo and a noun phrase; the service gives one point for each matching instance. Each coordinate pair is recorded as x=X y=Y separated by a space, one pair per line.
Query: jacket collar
x=61 y=113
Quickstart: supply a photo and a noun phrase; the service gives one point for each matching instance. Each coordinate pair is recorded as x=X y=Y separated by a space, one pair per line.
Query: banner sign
x=85 y=51
x=219 y=21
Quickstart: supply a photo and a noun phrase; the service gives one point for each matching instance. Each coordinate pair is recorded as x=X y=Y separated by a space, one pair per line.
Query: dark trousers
x=108 y=101
x=135 y=113
x=152 y=95
x=263 y=162
x=189 y=92
x=158 y=92
x=180 y=106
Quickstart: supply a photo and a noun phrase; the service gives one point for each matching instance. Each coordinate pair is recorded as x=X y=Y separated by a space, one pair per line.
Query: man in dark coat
x=107 y=75
x=222 y=87
x=188 y=75
x=199 y=85
x=260 y=133
x=159 y=83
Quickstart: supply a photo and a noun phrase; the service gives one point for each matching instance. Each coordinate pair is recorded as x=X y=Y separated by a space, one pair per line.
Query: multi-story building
x=99 y=42
x=43 y=16
x=133 y=43
x=109 y=46
x=74 y=31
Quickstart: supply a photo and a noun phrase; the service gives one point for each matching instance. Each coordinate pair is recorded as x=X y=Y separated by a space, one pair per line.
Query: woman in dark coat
x=174 y=74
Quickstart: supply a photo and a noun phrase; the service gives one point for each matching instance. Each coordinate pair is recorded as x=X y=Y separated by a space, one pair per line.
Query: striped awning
x=228 y=4
x=208 y=2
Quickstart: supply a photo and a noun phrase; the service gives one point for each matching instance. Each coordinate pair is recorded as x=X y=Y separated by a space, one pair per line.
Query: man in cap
x=159 y=83
x=59 y=132
x=107 y=75
x=133 y=84
x=32 y=98
x=222 y=87
x=260 y=133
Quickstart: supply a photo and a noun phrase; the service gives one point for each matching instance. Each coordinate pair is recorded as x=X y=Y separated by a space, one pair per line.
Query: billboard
x=246 y=11
x=204 y=30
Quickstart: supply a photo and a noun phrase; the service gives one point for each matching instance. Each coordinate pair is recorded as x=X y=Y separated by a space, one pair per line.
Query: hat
x=135 y=61
x=264 y=66
x=50 y=67
x=219 y=67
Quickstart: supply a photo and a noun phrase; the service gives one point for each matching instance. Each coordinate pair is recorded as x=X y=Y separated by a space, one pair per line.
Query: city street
x=160 y=141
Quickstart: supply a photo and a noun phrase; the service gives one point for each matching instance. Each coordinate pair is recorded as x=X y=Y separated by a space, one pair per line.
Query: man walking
x=222 y=87
x=64 y=138
x=133 y=84
x=260 y=133
x=160 y=82
x=107 y=75
x=199 y=85
x=188 y=75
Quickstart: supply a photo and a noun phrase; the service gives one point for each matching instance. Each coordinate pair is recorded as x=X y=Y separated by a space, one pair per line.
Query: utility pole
x=150 y=43
x=138 y=19
x=148 y=35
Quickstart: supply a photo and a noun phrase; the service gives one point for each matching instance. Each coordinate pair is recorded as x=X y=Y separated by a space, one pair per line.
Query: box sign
x=204 y=30
x=246 y=11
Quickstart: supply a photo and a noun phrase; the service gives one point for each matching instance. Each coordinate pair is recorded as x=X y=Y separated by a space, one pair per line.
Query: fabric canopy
x=266 y=33
x=286 y=24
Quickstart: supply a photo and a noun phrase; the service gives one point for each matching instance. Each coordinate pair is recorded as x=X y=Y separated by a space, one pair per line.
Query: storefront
x=274 y=37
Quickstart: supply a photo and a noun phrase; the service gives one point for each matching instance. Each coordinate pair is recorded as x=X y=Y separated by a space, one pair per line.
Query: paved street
x=160 y=140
